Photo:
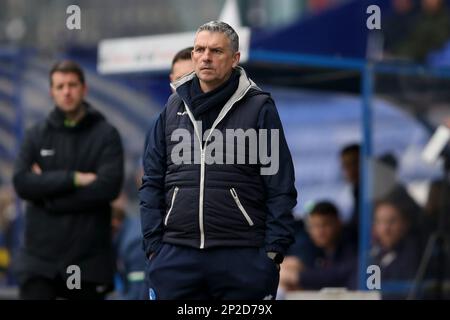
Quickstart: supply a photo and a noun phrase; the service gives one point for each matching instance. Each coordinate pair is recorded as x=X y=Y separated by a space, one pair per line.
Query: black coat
x=65 y=224
x=338 y=269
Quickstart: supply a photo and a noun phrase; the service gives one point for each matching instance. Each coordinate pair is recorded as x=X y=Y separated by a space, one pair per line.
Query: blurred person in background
x=70 y=167
x=303 y=247
x=437 y=223
x=388 y=187
x=181 y=64
x=335 y=259
x=215 y=231
x=350 y=164
x=130 y=259
x=395 y=249
x=7 y=216
x=385 y=185
x=437 y=226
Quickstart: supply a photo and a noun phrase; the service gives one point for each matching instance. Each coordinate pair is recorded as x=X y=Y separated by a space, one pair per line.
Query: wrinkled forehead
x=211 y=39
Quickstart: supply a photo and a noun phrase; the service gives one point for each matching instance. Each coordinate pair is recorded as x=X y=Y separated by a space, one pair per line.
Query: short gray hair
x=222 y=27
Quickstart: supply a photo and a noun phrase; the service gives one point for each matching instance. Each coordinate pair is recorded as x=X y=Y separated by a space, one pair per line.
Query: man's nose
x=66 y=90
x=206 y=56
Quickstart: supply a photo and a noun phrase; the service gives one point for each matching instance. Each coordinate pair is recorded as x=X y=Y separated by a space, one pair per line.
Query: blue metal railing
x=306 y=60
x=365 y=177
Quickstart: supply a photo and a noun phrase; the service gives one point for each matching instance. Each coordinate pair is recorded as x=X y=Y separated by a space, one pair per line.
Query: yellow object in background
x=4 y=258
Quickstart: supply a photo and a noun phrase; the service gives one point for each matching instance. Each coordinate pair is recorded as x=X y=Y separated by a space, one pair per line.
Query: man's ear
x=236 y=58
x=85 y=90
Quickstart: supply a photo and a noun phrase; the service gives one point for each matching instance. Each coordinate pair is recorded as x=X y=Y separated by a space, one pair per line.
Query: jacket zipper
x=171 y=205
x=200 y=209
x=202 y=162
x=241 y=207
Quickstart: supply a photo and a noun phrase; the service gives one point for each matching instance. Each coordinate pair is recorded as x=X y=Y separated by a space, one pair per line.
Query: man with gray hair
x=216 y=229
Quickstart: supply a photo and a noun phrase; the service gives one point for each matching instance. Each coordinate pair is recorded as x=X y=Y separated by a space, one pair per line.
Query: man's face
x=181 y=68
x=350 y=166
x=67 y=91
x=389 y=226
x=323 y=230
x=213 y=58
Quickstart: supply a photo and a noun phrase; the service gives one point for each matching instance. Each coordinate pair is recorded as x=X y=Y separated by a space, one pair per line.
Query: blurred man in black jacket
x=334 y=260
x=69 y=169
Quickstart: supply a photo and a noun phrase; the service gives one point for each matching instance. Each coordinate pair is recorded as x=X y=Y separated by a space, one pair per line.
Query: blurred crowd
x=325 y=253
x=415 y=29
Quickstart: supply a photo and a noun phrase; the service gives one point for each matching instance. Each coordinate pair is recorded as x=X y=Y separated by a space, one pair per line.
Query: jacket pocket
x=174 y=195
x=241 y=207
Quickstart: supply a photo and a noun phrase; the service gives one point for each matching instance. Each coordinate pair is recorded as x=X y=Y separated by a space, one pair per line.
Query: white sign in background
x=152 y=53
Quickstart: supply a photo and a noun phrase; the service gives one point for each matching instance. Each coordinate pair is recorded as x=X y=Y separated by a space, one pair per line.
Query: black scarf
x=207 y=106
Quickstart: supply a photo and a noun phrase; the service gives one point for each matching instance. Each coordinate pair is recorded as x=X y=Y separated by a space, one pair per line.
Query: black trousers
x=41 y=288
x=178 y=272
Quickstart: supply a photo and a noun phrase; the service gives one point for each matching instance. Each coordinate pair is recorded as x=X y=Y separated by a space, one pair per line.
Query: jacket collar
x=56 y=118
x=179 y=86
